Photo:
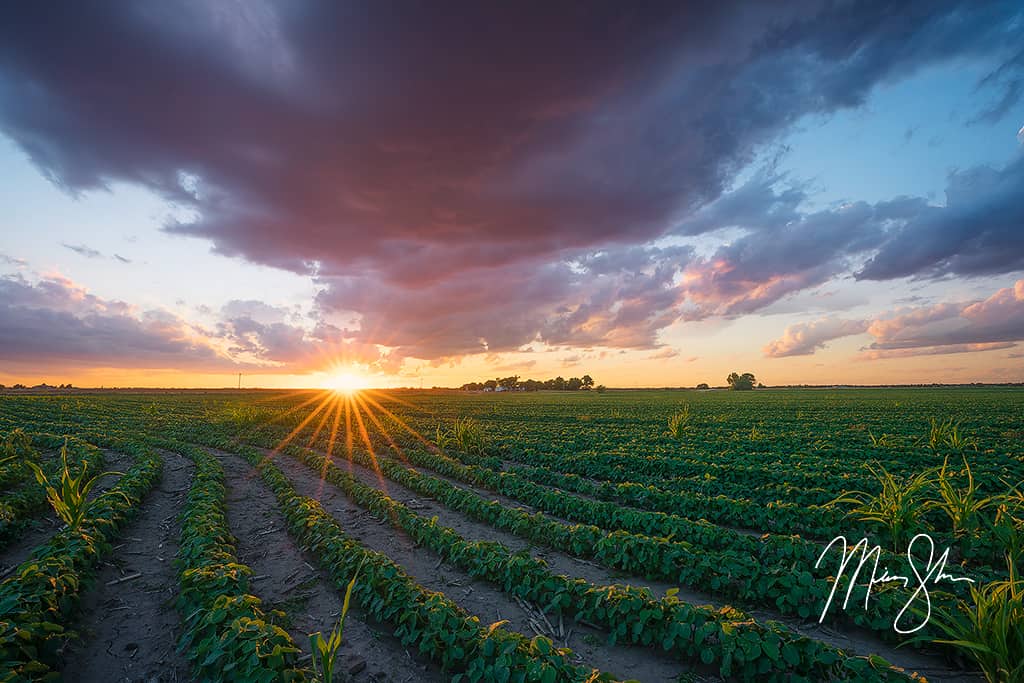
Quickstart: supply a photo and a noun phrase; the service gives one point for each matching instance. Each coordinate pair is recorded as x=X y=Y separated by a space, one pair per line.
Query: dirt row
x=287 y=578
x=476 y=596
x=129 y=627
x=128 y=624
x=852 y=639
x=746 y=531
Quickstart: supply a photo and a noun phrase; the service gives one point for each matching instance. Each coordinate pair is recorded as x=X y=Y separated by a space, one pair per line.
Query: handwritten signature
x=934 y=572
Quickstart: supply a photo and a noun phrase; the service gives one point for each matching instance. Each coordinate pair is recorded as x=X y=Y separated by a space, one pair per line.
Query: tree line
x=736 y=381
x=513 y=383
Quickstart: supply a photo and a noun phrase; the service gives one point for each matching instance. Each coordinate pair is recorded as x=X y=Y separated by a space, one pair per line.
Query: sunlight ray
x=339 y=399
x=383 y=431
x=401 y=423
x=396 y=399
x=302 y=425
x=323 y=421
x=298 y=407
x=349 y=437
x=365 y=435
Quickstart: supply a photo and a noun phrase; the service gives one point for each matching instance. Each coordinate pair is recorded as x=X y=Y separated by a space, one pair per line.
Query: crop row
x=734 y=575
x=775 y=516
x=227 y=635
x=438 y=627
x=18 y=507
x=709 y=486
x=619 y=511
x=823 y=522
x=800 y=517
x=37 y=600
x=774 y=469
x=735 y=643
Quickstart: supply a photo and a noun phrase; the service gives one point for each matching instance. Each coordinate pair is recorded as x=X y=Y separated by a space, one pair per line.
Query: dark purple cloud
x=980 y=230
x=777 y=258
x=465 y=177
x=55 y=320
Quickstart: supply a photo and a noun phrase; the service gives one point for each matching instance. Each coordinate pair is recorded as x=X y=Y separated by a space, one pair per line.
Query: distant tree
x=514 y=383
x=703 y=385
x=18 y=386
x=600 y=388
x=744 y=382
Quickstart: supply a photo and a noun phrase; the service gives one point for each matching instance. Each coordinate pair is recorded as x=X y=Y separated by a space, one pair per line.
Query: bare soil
x=488 y=602
x=128 y=625
x=287 y=579
x=853 y=640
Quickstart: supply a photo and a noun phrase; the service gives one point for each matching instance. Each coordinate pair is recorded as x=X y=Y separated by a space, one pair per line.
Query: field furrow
x=490 y=532
x=128 y=628
x=285 y=579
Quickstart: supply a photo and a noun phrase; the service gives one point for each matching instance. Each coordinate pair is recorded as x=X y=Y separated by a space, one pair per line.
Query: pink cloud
x=991 y=324
x=804 y=339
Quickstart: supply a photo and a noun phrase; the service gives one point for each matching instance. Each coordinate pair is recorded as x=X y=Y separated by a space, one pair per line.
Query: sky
x=415 y=194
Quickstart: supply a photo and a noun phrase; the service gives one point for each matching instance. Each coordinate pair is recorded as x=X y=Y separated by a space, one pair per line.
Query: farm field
x=543 y=536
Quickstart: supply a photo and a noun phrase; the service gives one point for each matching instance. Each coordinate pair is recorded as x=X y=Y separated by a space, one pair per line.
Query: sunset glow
x=654 y=196
x=347 y=382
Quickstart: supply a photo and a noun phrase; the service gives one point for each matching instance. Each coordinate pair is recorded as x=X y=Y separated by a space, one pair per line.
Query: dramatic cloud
x=993 y=323
x=298 y=349
x=980 y=231
x=998 y=319
x=460 y=178
x=56 y=320
x=618 y=298
x=804 y=339
x=779 y=258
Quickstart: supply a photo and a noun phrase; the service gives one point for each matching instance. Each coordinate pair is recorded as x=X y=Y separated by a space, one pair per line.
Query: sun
x=346 y=382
